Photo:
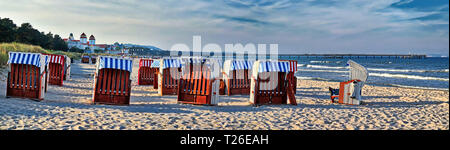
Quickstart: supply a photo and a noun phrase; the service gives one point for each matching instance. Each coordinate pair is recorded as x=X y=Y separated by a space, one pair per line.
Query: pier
x=337 y=56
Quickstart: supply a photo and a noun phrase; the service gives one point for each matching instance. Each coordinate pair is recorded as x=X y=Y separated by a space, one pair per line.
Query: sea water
x=426 y=73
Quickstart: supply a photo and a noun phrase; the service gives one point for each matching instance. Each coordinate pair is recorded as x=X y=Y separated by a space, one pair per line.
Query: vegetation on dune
x=19 y=47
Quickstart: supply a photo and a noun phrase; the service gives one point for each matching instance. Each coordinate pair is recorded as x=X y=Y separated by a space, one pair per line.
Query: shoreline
x=383 y=85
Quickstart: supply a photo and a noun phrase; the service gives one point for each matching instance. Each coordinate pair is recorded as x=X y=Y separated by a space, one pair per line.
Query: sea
x=426 y=73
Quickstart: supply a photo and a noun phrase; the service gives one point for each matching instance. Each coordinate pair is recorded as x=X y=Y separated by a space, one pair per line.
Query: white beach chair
x=349 y=92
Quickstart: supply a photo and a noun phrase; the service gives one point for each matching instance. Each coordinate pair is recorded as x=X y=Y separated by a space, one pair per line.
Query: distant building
x=84 y=44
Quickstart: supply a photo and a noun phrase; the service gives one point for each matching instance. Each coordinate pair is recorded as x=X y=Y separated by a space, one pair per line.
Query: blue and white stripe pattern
x=25 y=58
x=241 y=64
x=115 y=63
x=171 y=63
x=47 y=59
x=155 y=64
x=273 y=66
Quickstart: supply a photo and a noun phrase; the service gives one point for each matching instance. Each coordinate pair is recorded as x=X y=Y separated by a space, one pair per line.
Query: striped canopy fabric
x=25 y=58
x=274 y=66
x=292 y=65
x=171 y=63
x=47 y=59
x=115 y=63
x=241 y=64
x=58 y=59
x=145 y=63
x=155 y=64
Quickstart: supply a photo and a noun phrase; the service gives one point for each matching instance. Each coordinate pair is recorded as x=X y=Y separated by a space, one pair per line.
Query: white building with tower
x=84 y=44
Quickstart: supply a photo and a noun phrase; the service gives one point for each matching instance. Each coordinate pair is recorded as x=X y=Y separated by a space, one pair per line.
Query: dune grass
x=19 y=47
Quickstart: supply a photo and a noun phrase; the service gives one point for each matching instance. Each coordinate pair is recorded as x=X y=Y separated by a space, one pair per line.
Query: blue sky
x=298 y=26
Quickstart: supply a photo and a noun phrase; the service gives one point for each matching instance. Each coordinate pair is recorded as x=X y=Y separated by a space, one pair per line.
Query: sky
x=297 y=26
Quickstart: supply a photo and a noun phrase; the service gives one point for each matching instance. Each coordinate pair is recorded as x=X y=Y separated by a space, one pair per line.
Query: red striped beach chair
x=236 y=76
x=112 y=84
x=199 y=85
x=349 y=92
x=291 y=74
x=269 y=84
x=56 y=66
x=146 y=73
x=26 y=76
x=168 y=75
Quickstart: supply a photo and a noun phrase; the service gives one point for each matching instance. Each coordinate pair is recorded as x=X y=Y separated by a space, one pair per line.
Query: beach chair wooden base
x=222 y=87
x=56 y=74
x=196 y=89
x=238 y=86
x=169 y=83
x=146 y=76
x=112 y=87
x=273 y=91
x=25 y=81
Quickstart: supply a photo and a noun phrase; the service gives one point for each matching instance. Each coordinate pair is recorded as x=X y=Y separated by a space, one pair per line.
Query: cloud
x=299 y=25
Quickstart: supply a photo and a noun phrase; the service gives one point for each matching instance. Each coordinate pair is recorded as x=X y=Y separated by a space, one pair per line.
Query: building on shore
x=85 y=44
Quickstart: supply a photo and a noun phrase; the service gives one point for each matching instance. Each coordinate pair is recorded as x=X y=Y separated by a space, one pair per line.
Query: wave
x=322 y=62
x=314 y=70
x=405 y=70
x=311 y=78
x=325 y=67
x=301 y=65
x=406 y=76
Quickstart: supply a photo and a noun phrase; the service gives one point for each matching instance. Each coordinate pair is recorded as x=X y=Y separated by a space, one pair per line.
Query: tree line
x=25 y=33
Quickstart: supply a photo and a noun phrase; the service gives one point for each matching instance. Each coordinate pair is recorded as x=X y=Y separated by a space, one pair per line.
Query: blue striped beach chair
x=112 y=84
x=236 y=75
x=26 y=76
x=269 y=84
x=199 y=83
x=168 y=76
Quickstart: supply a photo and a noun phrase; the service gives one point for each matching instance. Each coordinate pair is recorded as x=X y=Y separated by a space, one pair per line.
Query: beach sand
x=68 y=107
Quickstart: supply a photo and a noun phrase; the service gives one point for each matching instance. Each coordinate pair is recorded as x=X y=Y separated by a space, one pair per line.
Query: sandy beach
x=68 y=107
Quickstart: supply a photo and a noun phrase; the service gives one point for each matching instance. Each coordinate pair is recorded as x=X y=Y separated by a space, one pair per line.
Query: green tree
x=7 y=30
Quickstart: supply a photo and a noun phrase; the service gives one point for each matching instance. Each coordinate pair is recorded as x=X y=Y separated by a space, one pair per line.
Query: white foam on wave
x=405 y=70
x=325 y=67
x=320 y=61
x=406 y=76
x=314 y=70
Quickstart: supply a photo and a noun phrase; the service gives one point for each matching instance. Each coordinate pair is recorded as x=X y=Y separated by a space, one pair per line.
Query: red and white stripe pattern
x=59 y=59
x=292 y=65
x=145 y=62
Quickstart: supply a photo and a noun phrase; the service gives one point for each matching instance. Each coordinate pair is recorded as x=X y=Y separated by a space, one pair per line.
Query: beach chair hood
x=35 y=59
x=357 y=71
x=114 y=63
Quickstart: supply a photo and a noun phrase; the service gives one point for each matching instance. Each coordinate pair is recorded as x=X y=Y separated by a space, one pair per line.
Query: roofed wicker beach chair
x=349 y=92
x=56 y=66
x=236 y=76
x=146 y=73
x=112 y=83
x=199 y=83
x=168 y=75
x=85 y=59
x=26 y=75
x=269 y=83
